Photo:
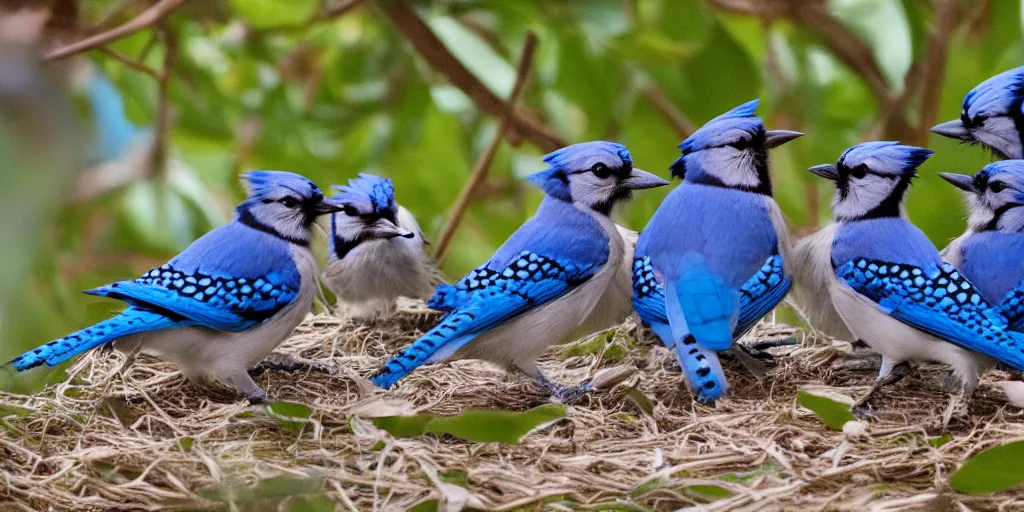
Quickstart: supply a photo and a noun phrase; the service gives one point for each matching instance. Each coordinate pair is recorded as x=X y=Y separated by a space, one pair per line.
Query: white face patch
x=588 y=189
x=288 y=222
x=733 y=167
x=1000 y=133
x=862 y=196
x=347 y=227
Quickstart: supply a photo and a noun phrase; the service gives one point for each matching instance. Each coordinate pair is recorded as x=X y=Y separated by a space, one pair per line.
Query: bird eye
x=741 y=144
x=979 y=120
x=289 y=202
x=351 y=211
x=601 y=170
x=997 y=186
x=860 y=171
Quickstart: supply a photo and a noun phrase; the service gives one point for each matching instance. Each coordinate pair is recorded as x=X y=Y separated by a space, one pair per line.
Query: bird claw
x=257 y=397
x=571 y=395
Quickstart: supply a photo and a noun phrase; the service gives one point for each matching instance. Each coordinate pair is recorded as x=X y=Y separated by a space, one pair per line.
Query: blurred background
x=124 y=123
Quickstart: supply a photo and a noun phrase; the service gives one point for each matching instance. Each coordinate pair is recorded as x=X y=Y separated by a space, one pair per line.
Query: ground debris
x=110 y=438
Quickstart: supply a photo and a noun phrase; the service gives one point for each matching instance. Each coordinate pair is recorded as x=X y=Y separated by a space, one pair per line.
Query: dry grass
x=111 y=439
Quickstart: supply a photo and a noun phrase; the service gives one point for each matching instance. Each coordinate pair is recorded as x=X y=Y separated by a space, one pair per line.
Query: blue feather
x=116 y=132
x=701 y=366
x=131 y=321
x=701 y=304
x=937 y=300
x=888 y=239
x=551 y=254
x=992 y=261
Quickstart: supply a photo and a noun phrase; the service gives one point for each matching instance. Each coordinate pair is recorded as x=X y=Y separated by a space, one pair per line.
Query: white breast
x=601 y=302
x=812 y=273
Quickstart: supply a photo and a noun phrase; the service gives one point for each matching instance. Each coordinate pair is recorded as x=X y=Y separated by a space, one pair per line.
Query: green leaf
x=936 y=442
x=992 y=470
x=269 y=489
x=269 y=13
x=480 y=426
x=404 y=426
x=425 y=506
x=289 y=415
x=834 y=414
x=484 y=426
x=311 y=504
x=186 y=443
x=710 y=490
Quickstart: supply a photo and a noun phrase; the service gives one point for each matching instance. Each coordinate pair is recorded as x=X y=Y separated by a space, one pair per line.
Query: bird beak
x=827 y=171
x=960 y=181
x=638 y=179
x=383 y=228
x=953 y=129
x=776 y=138
x=328 y=205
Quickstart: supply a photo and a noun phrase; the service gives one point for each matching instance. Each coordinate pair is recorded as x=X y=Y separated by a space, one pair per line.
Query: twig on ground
x=146 y=19
x=483 y=163
x=437 y=55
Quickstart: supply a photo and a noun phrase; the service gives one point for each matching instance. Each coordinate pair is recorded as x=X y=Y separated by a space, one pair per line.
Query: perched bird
x=376 y=250
x=223 y=304
x=713 y=259
x=990 y=253
x=890 y=286
x=558 y=277
x=812 y=275
x=992 y=115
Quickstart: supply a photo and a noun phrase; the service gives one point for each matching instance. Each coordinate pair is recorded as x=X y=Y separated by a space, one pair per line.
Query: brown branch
x=423 y=39
x=483 y=163
x=130 y=62
x=158 y=154
x=934 y=73
x=682 y=124
x=146 y=19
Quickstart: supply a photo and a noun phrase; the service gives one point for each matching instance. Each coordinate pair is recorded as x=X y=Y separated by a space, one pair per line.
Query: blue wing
x=1012 y=309
x=758 y=296
x=218 y=302
x=529 y=281
x=939 y=301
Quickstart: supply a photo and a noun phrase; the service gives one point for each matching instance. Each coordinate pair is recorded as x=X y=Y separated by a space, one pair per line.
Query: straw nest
x=117 y=438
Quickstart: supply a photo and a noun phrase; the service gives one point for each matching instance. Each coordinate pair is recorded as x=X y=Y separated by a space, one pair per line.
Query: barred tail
x=436 y=345
x=443 y=299
x=700 y=365
x=131 y=321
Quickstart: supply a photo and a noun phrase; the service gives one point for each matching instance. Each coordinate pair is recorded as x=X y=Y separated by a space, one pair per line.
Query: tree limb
x=682 y=124
x=483 y=163
x=427 y=44
x=130 y=62
x=158 y=154
x=933 y=73
x=146 y=19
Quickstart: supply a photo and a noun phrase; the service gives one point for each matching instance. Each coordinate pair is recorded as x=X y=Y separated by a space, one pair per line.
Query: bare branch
x=483 y=163
x=933 y=73
x=158 y=154
x=146 y=19
x=130 y=62
x=433 y=50
x=682 y=124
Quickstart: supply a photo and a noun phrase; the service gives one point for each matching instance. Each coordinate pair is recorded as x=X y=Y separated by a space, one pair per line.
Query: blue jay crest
x=742 y=117
x=1000 y=94
x=576 y=159
x=369 y=194
x=263 y=183
x=992 y=116
x=885 y=158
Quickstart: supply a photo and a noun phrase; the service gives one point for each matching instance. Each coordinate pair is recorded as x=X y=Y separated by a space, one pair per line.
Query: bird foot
x=277 y=361
x=568 y=395
x=257 y=396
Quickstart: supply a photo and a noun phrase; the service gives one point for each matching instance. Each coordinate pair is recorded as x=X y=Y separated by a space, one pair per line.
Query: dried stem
x=146 y=19
x=130 y=62
x=437 y=55
x=483 y=163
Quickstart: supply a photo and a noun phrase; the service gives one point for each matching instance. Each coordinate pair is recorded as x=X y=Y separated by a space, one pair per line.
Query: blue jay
x=555 y=279
x=992 y=115
x=223 y=304
x=890 y=286
x=713 y=259
x=376 y=250
x=990 y=253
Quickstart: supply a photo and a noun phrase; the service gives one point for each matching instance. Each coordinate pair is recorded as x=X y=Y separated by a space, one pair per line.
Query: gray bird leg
x=245 y=386
x=568 y=395
x=891 y=373
x=277 y=361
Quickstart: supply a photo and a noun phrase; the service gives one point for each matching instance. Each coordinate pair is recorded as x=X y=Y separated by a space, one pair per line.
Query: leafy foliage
x=329 y=92
x=481 y=426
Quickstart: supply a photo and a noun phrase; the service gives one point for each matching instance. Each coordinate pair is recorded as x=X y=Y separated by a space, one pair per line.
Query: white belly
x=901 y=342
x=812 y=273
x=601 y=302
x=206 y=353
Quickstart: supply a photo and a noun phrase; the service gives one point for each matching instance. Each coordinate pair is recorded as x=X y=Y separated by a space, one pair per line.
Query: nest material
x=111 y=438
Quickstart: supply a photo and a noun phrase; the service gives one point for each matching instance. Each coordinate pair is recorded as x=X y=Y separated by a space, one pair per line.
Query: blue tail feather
x=700 y=365
x=703 y=305
x=131 y=321
x=436 y=345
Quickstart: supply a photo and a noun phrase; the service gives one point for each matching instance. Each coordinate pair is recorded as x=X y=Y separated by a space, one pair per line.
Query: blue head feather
x=885 y=158
x=268 y=184
x=554 y=180
x=369 y=194
x=999 y=95
x=740 y=118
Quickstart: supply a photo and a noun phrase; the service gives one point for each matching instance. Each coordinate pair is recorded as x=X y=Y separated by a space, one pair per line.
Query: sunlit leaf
x=834 y=414
x=289 y=415
x=936 y=442
x=991 y=470
x=481 y=426
x=269 y=13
